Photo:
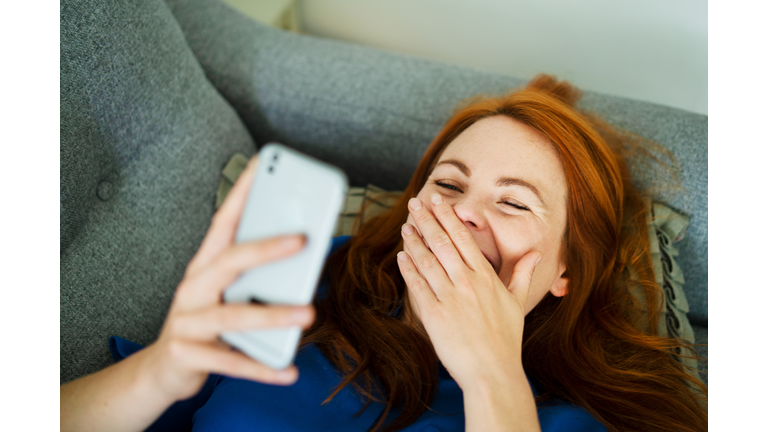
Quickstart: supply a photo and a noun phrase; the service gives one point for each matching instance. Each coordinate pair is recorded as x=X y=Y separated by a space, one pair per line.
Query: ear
x=561 y=285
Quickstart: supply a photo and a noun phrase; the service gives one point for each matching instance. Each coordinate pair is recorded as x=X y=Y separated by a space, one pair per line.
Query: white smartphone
x=291 y=193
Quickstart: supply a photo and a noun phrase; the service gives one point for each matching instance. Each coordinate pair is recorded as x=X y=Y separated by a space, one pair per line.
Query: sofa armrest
x=373 y=113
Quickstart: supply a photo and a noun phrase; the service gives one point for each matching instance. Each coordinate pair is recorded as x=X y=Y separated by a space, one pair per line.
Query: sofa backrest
x=152 y=99
x=144 y=136
x=373 y=113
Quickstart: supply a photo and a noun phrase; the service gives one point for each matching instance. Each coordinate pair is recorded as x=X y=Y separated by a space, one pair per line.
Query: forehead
x=500 y=146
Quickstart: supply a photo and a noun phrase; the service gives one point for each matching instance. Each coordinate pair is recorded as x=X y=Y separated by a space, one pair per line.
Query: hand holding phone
x=291 y=194
x=188 y=348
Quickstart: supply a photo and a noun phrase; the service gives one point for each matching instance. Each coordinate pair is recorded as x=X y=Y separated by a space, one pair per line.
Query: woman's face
x=506 y=183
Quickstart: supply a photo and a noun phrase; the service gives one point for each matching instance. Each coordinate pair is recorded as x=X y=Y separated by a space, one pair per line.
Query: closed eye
x=447 y=186
x=454 y=188
x=517 y=206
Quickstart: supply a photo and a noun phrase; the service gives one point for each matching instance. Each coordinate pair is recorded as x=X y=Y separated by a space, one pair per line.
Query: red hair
x=587 y=347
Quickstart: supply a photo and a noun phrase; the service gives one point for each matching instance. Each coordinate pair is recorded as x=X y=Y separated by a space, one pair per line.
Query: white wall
x=652 y=50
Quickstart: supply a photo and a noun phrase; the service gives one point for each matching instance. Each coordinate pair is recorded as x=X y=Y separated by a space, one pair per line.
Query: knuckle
x=445 y=211
x=428 y=261
x=414 y=240
x=463 y=235
x=407 y=267
x=419 y=284
x=423 y=217
x=241 y=257
x=441 y=240
x=413 y=272
x=489 y=276
x=249 y=368
x=462 y=280
x=225 y=318
x=232 y=364
x=275 y=317
x=256 y=252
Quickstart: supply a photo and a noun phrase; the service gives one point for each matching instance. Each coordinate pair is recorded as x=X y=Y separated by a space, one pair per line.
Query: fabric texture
x=144 y=137
x=373 y=113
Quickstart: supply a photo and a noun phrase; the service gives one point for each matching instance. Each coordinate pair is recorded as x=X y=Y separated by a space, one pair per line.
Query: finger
x=417 y=285
x=235 y=364
x=206 y=287
x=207 y=324
x=522 y=275
x=223 y=227
x=460 y=236
x=437 y=240
x=425 y=261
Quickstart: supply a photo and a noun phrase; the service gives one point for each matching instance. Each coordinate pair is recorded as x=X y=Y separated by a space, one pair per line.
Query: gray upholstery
x=152 y=102
x=373 y=113
x=144 y=137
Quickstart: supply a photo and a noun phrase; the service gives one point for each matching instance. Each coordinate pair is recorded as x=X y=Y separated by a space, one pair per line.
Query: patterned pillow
x=369 y=202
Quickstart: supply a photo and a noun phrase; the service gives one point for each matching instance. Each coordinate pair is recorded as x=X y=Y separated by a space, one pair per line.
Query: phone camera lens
x=275 y=157
x=270 y=169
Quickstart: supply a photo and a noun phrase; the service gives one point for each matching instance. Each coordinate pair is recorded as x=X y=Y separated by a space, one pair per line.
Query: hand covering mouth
x=484 y=254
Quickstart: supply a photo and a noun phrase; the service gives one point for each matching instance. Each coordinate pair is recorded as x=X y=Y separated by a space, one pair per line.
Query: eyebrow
x=500 y=182
x=463 y=168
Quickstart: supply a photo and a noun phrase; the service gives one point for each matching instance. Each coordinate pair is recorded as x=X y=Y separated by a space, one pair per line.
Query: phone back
x=291 y=193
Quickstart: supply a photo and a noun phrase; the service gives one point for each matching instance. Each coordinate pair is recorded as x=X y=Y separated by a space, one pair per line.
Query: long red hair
x=587 y=347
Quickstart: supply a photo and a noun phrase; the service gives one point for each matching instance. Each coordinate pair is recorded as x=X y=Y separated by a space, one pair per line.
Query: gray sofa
x=156 y=97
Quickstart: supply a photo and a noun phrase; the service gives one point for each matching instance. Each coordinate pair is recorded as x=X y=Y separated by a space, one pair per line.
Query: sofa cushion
x=373 y=113
x=144 y=137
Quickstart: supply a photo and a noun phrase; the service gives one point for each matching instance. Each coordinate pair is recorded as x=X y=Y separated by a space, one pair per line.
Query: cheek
x=520 y=241
x=545 y=275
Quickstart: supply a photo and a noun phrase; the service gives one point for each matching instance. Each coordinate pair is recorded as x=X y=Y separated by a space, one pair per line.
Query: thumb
x=520 y=284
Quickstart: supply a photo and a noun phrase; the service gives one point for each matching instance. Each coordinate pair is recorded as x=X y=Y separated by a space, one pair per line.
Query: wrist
x=501 y=402
x=492 y=383
x=493 y=374
x=149 y=376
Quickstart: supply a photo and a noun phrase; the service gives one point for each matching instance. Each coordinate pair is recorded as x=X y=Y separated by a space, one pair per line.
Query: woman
x=509 y=265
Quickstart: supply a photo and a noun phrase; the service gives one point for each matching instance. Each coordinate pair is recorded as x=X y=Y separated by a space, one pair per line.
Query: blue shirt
x=226 y=404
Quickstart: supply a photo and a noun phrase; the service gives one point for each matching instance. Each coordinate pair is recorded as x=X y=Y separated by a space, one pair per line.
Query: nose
x=471 y=214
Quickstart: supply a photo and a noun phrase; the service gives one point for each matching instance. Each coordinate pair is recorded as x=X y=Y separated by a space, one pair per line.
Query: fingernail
x=436 y=199
x=407 y=229
x=415 y=203
x=402 y=256
x=538 y=260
